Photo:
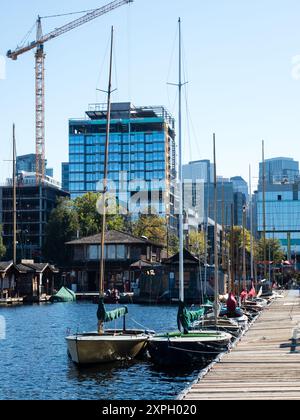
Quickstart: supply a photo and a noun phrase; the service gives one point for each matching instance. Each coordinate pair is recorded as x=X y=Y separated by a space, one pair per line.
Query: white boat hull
x=87 y=349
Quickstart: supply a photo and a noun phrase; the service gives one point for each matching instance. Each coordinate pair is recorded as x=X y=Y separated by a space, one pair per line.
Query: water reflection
x=34 y=362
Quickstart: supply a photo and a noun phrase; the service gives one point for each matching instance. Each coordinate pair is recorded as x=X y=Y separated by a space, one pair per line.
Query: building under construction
x=34 y=206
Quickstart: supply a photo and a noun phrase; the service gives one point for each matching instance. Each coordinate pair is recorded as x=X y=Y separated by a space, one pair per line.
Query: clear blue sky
x=238 y=58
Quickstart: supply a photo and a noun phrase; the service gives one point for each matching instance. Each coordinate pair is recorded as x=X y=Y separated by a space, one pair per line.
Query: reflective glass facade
x=65 y=176
x=240 y=186
x=279 y=170
x=141 y=154
x=232 y=194
x=282 y=214
x=27 y=163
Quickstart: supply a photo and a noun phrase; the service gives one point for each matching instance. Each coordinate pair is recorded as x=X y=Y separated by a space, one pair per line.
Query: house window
x=111 y=252
x=93 y=253
x=120 y=252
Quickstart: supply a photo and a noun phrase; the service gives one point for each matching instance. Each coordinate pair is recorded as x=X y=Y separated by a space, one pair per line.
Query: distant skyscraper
x=279 y=170
x=282 y=203
x=27 y=163
x=199 y=170
x=198 y=182
x=65 y=176
x=225 y=197
x=240 y=186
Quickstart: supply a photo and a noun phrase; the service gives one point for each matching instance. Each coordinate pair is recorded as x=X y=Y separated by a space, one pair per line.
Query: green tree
x=2 y=247
x=197 y=244
x=88 y=208
x=237 y=241
x=88 y=217
x=151 y=226
x=62 y=227
x=273 y=250
x=173 y=244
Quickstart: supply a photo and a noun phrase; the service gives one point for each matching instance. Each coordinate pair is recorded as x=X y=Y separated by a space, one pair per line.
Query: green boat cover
x=185 y=318
x=110 y=316
x=208 y=302
x=64 y=295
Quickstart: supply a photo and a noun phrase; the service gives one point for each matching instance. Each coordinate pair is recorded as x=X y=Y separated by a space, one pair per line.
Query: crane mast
x=40 y=107
x=40 y=72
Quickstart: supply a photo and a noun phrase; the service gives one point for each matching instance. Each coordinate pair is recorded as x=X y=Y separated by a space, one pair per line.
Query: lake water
x=34 y=363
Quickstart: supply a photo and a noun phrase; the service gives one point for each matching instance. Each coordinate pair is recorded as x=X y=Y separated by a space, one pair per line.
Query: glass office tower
x=282 y=192
x=142 y=156
x=65 y=173
x=27 y=163
x=279 y=170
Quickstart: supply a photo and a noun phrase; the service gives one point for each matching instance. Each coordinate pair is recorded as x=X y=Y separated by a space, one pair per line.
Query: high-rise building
x=199 y=194
x=142 y=156
x=27 y=163
x=225 y=202
x=240 y=186
x=34 y=206
x=279 y=171
x=199 y=170
x=282 y=204
x=65 y=176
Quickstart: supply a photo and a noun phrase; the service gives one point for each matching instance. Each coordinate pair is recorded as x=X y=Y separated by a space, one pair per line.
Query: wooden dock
x=265 y=365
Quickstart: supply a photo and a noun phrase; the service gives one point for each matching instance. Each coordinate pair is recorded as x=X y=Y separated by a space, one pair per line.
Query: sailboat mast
x=105 y=180
x=223 y=243
x=232 y=263
x=181 y=240
x=264 y=208
x=14 y=197
x=216 y=235
x=206 y=231
x=251 y=224
x=244 y=250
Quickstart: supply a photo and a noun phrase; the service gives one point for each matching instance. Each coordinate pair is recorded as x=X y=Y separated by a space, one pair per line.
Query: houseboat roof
x=113 y=237
x=35 y=267
x=187 y=256
x=5 y=266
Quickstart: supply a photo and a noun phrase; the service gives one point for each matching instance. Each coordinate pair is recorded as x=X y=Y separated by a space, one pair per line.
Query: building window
x=76 y=140
x=76 y=158
x=77 y=186
x=111 y=252
x=76 y=176
x=93 y=252
x=121 y=252
x=280 y=198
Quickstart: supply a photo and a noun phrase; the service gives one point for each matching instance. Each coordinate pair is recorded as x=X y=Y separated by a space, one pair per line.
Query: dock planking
x=265 y=365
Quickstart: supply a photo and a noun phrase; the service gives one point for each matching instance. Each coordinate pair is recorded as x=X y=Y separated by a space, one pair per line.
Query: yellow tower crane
x=40 y=72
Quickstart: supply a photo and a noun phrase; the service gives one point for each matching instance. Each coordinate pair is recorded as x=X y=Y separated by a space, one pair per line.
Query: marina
x=35 y=364
x=264 y=365
x=152 y=270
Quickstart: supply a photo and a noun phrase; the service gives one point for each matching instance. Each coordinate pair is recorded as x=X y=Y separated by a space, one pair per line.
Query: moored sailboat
x=106 y=346
x=187 y=347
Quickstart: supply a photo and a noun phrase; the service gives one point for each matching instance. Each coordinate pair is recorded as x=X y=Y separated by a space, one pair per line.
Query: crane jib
x=68 y=27
x=40 y=73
